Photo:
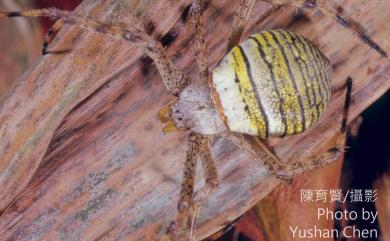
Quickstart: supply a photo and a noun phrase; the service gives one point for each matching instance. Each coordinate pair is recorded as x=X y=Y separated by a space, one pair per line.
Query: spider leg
x=200 y=43
x=330 y=155
x=211 y=182
x=174 y=80
x=198 y=145
x=184 y=204
x=343 y=20
x=189 y=204
x=260 y=151
x=50 y=35
x=240 y=19
x=286 y=171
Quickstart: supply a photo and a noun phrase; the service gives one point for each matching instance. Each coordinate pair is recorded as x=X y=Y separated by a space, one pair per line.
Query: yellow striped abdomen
x=275 y=83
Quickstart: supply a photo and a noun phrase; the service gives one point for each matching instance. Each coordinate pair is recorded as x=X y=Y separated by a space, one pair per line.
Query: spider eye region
x=275 y=83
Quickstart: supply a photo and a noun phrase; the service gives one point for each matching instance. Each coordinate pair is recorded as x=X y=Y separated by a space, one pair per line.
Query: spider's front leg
x=174 y=80
x=286 y=171
x=49 y=36
x=189 y=204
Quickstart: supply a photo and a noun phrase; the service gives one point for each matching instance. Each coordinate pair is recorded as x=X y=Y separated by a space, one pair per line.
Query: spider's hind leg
x=286 y=171
x=343 y=20
x=331 y=154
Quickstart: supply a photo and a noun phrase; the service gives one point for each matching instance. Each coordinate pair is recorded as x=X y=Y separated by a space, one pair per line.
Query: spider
x=275 y=83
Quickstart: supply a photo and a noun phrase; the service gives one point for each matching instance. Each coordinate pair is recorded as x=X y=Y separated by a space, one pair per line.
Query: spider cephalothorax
x=196 y=111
